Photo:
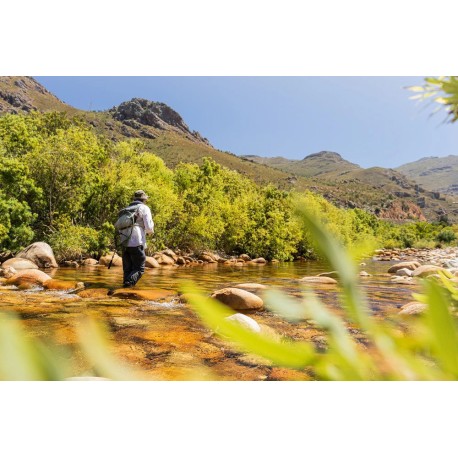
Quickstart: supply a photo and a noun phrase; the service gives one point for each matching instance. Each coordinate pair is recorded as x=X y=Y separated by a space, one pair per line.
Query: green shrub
x=446 y=236
x=71 y=242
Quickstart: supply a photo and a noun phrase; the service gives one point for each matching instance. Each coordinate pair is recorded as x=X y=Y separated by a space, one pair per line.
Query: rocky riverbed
x=154 y=330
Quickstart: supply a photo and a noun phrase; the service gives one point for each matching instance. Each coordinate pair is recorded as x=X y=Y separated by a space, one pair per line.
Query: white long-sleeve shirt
x=144 y=225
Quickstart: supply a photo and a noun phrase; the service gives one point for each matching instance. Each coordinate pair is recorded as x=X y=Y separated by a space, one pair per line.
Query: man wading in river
x=133 y=238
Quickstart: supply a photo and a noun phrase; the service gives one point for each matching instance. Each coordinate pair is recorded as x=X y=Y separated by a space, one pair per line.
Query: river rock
x=259 y=261
x=106 y=259
x=244 y=321
x=363 y=273
x=62 y=285
x=319 y=280
x=7 y=272
x=170 y=253
x=71 y=264
x=413 y=308
x=144 y=295
x=151 y=262
x=332 y=274
x=93 y=293
x=206 y=257
x=404 y=272
x=19 y=264
x=163 y=259
x=40 y=253
x=424 y=271
x=244 y=257
x=239 y=299
x=411 y=265
x=28 y=277
x=89 y=262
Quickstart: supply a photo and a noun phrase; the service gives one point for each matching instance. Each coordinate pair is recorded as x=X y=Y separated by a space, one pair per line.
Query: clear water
x=166 y=340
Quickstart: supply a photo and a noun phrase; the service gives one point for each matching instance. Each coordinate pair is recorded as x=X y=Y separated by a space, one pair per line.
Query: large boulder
x=239 y=299
x=40 y=253
x=19 y=264
x=28 y=278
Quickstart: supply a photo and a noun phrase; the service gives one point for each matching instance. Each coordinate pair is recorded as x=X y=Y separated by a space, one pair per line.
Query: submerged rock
x=144 y=295
x=319 y=280
x=28 y=278
x=63 y=285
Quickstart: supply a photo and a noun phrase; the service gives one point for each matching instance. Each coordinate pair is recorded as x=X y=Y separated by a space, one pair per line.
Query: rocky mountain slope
x=434 y=173
x=312 y=165
x=384 y=192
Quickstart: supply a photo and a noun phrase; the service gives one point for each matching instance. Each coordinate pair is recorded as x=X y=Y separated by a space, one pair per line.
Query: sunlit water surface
x=166 y=340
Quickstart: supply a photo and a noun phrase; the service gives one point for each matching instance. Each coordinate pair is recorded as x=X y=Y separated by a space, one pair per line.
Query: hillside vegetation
x=63 y=183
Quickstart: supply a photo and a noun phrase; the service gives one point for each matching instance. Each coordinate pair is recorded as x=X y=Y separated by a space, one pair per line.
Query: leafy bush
x=70 y=242
x=446 y=236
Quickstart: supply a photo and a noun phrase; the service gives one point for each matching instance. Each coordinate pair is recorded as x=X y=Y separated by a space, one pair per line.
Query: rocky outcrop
x=139 y=112
x=40 y=253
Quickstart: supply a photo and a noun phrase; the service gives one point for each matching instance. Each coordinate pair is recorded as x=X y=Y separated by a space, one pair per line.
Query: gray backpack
x=127 y=218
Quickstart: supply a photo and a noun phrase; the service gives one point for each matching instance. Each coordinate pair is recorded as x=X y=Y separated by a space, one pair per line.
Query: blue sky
x=369 y=120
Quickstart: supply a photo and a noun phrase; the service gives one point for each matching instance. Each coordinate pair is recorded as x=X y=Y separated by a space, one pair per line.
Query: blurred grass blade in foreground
x=213 y=314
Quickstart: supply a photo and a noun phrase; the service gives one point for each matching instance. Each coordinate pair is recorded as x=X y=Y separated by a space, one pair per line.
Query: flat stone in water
x=144 y=295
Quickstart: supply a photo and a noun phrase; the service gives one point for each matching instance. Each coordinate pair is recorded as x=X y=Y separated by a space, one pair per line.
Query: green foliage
x=71 y=242
x=443 y=90
x=446 y=236
x=54 y=169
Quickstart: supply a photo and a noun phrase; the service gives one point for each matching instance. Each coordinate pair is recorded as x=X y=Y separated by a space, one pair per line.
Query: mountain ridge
x=385 y=192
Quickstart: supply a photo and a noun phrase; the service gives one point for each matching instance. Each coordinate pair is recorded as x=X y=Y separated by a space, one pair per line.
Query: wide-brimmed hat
x=140 y=195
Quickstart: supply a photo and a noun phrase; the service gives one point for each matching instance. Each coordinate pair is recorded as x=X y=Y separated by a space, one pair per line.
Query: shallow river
x=166 y=340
